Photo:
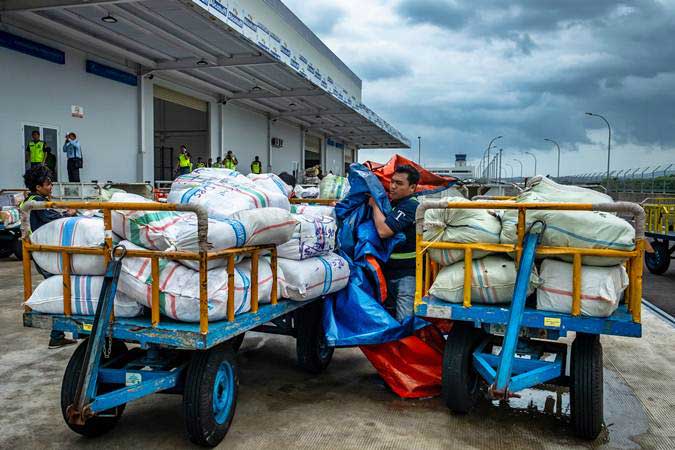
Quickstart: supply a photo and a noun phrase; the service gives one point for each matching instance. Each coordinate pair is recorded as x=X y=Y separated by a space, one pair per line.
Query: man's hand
x=71 y=212
x=372 y=203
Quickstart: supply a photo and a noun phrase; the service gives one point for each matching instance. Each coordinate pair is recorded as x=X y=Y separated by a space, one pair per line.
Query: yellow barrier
x=203 y=256
x=633 y=258
x=660 y=215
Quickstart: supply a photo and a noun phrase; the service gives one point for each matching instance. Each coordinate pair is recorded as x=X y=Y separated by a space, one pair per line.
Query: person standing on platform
x=209 y=163
x=184 y=163
x=256 y=166
x=36 y=149
x=200 y=163
x=219 y=163
x=230 y=161
x=50 y=162
x=73 y=151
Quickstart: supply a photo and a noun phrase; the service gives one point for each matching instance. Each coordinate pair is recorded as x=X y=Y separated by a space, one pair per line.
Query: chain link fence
x=652 y=180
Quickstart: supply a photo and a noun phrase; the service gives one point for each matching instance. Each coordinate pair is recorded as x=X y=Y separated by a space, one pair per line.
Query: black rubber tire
x=6 y=252
x=236 y=341
x=18 y=249
x=586 y=388
x=198 y=398
x=95 y=426
x=460 y=383
x=659 y=261
x=313 y=353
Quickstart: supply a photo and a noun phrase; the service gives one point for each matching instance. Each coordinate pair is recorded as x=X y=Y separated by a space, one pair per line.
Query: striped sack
x=313 y=236
x=84 y=294
x=71 y=231
x=179 y=287
x=313 y=210
x=270 y=182
x=313 y=277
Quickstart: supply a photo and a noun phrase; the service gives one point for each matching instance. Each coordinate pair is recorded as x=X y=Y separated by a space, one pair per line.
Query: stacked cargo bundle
x=243 y=211
x=603 y=279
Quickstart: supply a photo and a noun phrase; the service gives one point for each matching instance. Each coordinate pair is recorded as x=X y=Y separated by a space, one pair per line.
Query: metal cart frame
x=661 y=229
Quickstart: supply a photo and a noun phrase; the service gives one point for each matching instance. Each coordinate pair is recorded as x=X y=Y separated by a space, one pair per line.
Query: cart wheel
x=659 y=261
x=106 y=421
x=236 y=341
x=18 y=249
x=460 y=387
x=210 y=395
x=586 y=390
x=311 y=347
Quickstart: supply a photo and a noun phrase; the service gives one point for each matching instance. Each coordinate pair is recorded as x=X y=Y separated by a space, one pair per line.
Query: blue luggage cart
x=195 y=360
x=508 y=348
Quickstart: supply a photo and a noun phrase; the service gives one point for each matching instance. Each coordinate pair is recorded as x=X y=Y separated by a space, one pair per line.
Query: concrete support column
x=221 y=143
x=145 y=169
x=215 y=129
x=324 y=154
x=269 y=144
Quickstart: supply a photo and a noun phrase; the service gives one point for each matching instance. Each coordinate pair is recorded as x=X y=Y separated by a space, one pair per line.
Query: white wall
x=37 y=91
x=245 y=133
x=283 y=158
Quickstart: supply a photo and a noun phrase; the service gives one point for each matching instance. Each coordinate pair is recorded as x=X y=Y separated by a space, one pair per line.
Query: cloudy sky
x=460 y=72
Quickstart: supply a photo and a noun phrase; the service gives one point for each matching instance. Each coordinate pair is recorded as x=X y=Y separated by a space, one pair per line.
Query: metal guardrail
x=653 y=179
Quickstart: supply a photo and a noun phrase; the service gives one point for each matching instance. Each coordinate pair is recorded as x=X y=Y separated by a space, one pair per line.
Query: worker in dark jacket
x=400 y=269
x=38 y=181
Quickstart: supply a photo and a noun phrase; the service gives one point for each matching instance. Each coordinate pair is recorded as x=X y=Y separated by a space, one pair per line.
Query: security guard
x=230 y=161
x=256 y=166
x=219 y=163
x=200 y=162
x=36 y=149
x=400 y=269
x=184 y=163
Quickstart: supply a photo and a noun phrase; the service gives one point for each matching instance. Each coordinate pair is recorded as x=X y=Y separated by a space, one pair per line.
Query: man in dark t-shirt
x=400 y=269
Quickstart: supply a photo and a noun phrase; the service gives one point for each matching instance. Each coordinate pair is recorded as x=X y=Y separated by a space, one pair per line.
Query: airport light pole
x=535 y=162
x=521 y=167
x=419 y=150
x=609 y=140
x=488 y=155
x=556 y=144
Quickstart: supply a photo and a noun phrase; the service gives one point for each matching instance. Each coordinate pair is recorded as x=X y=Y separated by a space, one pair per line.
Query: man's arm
x=379 y=218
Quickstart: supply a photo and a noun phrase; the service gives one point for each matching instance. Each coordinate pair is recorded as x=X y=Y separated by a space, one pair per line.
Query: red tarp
x=411 y=367
x=428 y=180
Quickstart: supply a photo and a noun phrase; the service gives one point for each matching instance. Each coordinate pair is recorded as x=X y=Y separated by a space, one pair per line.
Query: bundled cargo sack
x=306 y=192
x=313 y=236
x=71 y=232
x=85 y=291
x=222 y=199
x=584 y=229
x=313 y=210
x=601 y=288
x=313 y=277
x=204 y=175
x=493 y=280
x=270 y=182
x=179 y=287
x=459 y=225
x=333 y=187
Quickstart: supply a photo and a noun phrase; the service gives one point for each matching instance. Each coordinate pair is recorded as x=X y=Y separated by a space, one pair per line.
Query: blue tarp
x=354 y=316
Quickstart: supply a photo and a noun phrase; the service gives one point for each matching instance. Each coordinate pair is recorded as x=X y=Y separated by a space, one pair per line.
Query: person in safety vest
x=200 y=162
x=38 y=181
x=219 y=163
x=36 y=149
x=256 y=166
x=230 y=161
x=184 y=163
x=400 y=269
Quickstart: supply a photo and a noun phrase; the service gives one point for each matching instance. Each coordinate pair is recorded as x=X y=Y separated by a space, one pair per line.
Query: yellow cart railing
x=660 y=214
x=203 y=256
x=634 y=258
x=314 y=201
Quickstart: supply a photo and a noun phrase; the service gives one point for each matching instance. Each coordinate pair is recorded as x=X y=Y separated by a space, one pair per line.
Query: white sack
x=493 y=280
x=462 y=226
x=270 y=182
x=601 y=288
x=306 y=192
x=179 y=287
x=313 y=236
x=314 y=210
x=313 y=277
x=72 y=232
x=585 y=229
x=333 y=186
x=85 y=291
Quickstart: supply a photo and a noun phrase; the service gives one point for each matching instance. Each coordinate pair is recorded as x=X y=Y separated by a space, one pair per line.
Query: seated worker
x=38 y=181
x=400 y=269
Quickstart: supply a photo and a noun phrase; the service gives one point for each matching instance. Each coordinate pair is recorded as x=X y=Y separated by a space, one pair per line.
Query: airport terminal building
x=135 y=79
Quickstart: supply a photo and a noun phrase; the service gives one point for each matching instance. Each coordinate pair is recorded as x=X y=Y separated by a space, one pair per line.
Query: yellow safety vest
x=229 y=164
x=256 y=167
x=37 y=151
x=200 y=165
x=183 y=161
x=217 y=165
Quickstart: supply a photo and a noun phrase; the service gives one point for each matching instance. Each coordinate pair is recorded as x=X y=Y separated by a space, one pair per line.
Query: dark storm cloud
x=625 y=69
x=381 y=68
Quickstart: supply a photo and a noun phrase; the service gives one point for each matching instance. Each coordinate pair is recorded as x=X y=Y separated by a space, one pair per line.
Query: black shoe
x=60 y=342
